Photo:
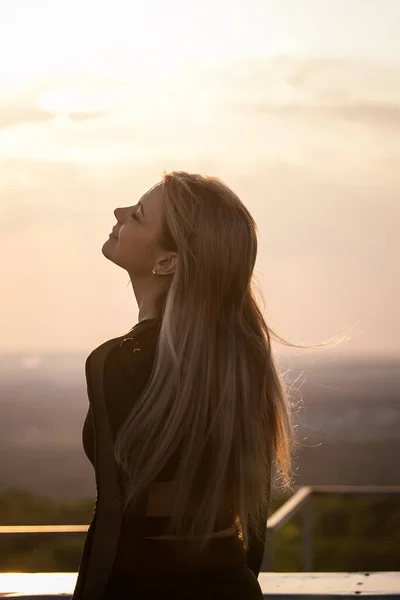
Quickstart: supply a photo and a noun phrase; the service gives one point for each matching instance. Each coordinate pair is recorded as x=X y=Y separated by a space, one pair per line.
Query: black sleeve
x=127 y=372
x=255 y=552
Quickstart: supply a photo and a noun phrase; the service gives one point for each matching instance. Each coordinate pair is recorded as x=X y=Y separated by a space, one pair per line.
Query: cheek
x=136 y=247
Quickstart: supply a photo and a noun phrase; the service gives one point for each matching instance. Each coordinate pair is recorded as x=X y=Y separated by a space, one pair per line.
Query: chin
x=105 y=247
x=108 y=253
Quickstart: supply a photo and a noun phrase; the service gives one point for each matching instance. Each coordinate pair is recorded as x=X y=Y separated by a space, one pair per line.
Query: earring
x=154 y=272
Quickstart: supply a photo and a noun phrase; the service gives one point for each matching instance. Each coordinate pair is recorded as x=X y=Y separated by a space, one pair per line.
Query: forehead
x=152 y=203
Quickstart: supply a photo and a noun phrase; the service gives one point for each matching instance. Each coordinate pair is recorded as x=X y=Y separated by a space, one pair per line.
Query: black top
x=127 y=370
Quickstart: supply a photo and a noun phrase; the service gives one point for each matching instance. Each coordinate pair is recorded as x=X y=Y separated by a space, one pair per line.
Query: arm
x=255 y=552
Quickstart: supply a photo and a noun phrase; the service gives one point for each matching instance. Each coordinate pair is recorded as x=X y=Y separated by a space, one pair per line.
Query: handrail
x=291 y=507
x=23 y=530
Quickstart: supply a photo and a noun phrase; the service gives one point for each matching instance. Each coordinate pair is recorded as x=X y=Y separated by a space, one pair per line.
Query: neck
x=149 y=294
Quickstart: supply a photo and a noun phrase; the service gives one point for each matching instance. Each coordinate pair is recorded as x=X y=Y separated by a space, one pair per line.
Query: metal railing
x=301 y=501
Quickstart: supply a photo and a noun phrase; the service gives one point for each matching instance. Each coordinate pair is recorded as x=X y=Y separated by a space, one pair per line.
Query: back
x=144 y=545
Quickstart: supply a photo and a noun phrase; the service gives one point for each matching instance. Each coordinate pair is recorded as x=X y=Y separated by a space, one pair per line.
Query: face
x=134 y=243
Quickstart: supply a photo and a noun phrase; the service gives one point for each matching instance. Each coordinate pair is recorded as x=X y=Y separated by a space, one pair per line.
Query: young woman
x=187 y=410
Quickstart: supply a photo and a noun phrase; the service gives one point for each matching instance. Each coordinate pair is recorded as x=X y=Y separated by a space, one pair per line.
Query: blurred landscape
x=347 y=416
x=346 y=411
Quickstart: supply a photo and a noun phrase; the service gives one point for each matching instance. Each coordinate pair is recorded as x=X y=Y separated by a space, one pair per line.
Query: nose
x=116 y=213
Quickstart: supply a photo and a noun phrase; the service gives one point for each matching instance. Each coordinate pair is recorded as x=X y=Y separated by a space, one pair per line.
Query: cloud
x=380 y=115
x=307 y=72
x=23 y=107
x=364 y=90
x=84 y=116
x=9 y=117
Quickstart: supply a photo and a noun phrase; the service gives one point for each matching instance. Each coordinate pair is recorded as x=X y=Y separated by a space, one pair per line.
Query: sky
x=294 y=104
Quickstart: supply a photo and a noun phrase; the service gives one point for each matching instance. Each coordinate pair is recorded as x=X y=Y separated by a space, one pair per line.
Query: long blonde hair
x=215 y=392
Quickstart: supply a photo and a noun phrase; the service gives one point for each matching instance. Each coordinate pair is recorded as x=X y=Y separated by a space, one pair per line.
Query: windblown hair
x=215 y=392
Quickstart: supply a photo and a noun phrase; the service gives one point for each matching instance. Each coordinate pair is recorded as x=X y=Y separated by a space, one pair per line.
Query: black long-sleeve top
x=127 y=370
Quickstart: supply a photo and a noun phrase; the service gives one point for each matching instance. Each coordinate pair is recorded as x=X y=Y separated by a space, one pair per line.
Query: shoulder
x=132 y=356
x=127 y=352
x=140 y=341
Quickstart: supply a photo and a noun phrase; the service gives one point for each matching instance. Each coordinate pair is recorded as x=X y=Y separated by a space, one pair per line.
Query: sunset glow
x=294 y=105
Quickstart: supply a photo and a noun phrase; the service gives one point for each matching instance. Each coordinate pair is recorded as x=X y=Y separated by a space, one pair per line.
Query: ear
x=166 y=264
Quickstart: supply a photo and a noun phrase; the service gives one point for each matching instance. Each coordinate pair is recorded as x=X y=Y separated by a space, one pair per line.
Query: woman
x=187 y=409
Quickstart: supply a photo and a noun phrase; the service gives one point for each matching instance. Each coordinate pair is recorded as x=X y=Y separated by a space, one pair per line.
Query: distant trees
x=34 y=553
x=350 y=533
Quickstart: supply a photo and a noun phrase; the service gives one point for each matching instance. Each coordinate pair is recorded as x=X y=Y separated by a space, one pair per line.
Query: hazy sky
x=294 y=103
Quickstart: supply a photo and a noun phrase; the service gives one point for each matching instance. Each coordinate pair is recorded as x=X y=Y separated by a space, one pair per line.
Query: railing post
x=307 y=538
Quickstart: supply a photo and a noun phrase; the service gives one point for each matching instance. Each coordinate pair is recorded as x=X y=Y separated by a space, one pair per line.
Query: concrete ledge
x=291 y=586
x=330 y=585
